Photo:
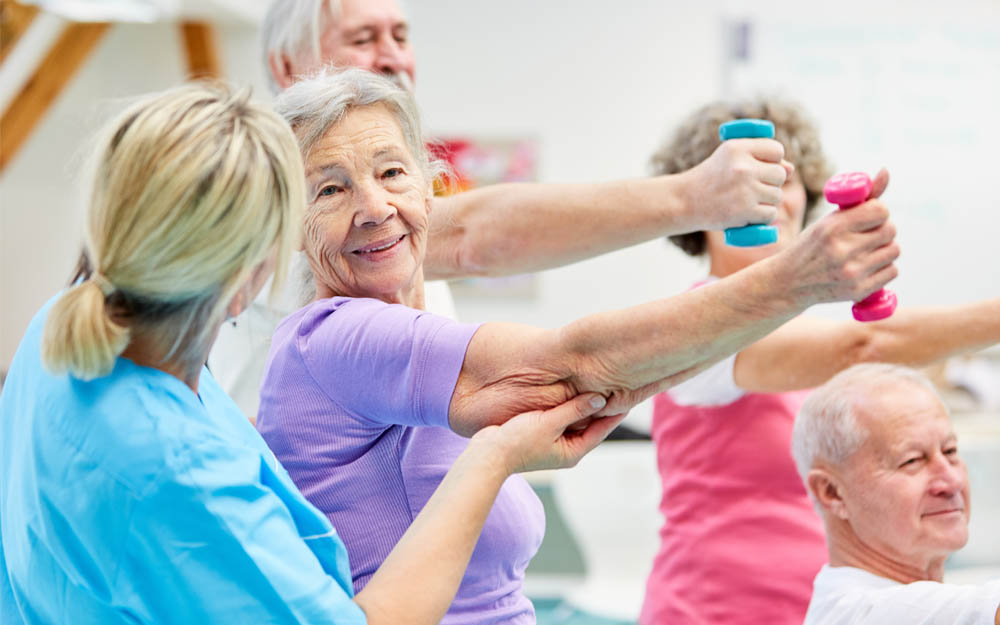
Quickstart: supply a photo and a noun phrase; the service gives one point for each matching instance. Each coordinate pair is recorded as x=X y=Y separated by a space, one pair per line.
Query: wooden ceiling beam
x=64 y=58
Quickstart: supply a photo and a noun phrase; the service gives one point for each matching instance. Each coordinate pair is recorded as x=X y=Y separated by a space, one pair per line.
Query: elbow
x=864 y=345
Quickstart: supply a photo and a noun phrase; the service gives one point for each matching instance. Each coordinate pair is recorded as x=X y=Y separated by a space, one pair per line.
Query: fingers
x=789 y=167
x=879 y=183
x=771 y=174
x=865 y=217
x=576 y=409
x=878 y=280
x=769 y=195
x=595 y=432
x=767 y=150
x=882 y=258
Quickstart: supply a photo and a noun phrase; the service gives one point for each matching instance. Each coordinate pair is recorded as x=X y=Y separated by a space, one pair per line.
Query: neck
x=847 y=549
x=146 y=352
x=722 y=265
x=412 y=296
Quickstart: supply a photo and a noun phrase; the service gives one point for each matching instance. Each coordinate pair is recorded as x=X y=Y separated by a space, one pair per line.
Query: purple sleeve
x=385 y=363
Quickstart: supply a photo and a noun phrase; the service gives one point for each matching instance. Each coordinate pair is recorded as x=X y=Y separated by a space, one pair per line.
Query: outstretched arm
x=631 y=354
x=807 y=352
x=514 y=228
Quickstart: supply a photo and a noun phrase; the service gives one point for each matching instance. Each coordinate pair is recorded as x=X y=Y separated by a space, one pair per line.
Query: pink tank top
x=742 y=542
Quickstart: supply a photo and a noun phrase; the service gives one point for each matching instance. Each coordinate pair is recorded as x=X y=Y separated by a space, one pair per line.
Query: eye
x=362 y=37
x=393 y=172
x=951 y=451
x=910 y=462
x=330 y=189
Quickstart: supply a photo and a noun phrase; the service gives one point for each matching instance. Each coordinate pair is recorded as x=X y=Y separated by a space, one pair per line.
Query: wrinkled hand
x=739 y=184
x=550 y=439
x=846 y=255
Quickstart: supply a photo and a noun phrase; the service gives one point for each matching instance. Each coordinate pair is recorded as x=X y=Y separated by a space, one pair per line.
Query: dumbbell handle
x=754 y=234
x=847 y=191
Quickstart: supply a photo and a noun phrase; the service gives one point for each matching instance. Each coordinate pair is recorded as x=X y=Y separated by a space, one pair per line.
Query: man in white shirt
x=878 y=455
x=501 y=229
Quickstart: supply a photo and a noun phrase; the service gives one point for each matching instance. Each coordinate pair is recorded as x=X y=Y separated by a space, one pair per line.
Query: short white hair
x=316 y=103
x=826 y=427
x=293 y=28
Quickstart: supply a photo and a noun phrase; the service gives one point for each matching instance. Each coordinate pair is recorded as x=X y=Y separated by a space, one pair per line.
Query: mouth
x=379 y=246
x=941 y=513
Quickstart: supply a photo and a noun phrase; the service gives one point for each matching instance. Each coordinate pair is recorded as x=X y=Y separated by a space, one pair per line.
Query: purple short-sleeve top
x=350 y=385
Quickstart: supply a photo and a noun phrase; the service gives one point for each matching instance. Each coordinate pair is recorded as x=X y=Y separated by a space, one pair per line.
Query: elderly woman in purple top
x=354 y=375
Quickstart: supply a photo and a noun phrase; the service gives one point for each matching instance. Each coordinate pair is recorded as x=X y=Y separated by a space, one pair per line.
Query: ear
x=281 y=69
x=429 y=197
x=237 y=305
x=825 y=489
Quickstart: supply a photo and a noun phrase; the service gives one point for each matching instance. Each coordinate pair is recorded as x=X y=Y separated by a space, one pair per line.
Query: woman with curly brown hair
x=741 y=542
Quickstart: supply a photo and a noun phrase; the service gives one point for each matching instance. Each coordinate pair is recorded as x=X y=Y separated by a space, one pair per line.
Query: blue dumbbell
x=754 y=234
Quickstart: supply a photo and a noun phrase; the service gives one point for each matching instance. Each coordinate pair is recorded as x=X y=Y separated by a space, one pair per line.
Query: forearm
x=516 y=228
x=920 y=336
x=418 y=581
x=665 y=342
x=808 y=352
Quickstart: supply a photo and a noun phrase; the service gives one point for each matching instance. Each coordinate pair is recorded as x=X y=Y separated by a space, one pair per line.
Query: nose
x=390 y=56
x=372 y=207
x=948 y=476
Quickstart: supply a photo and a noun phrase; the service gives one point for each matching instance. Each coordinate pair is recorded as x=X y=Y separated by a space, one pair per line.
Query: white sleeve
x=927 y=603
x=240 y=351
x=714 y=386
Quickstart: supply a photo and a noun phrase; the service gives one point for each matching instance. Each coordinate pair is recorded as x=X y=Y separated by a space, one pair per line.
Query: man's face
x=372 y=35
x=906 y=490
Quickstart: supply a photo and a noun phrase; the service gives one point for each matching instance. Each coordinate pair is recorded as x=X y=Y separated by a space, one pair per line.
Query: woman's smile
x=380 y=250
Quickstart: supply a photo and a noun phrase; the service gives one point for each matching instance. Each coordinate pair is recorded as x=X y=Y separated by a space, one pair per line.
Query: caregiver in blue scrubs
x=132 y=490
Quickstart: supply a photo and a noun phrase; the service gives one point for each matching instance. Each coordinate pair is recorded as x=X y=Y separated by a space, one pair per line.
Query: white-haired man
x=878 y=455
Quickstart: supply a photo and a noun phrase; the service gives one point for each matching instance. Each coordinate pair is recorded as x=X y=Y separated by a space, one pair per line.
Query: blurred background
x=569 y=91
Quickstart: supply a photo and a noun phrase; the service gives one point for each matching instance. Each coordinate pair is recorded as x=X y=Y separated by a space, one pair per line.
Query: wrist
x=682 y=189
x=774 y=282
x=488 y=455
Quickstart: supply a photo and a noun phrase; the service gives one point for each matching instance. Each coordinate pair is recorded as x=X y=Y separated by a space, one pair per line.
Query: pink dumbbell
x=847 y=191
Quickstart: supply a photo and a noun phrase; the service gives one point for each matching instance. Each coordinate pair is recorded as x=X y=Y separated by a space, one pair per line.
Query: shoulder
x=851 y=596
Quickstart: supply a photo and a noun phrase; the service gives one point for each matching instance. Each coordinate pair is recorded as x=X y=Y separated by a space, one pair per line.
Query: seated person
x=878 y=455
x=132 y=489
x=732 y=501
x=354 y=378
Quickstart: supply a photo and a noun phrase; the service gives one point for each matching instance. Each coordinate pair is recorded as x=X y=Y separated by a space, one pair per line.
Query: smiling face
x=906 y=491
x=372 y=35
x=366 y=223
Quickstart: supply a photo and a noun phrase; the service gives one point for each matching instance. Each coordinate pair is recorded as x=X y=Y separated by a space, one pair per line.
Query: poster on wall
x=480 y=162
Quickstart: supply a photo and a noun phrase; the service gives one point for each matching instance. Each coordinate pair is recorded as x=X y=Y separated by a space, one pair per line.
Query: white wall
x=41 y=193
x=598 y=90
x=598 y=83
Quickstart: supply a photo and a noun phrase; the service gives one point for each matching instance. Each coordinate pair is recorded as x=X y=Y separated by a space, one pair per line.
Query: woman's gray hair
x=826 y=427
x=315 y=104
x=293 y=28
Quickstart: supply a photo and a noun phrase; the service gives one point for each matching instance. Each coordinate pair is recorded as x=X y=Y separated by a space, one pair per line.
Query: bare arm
x=807 y=352
x=418 y=580
x=514 y=228
x=631 y=354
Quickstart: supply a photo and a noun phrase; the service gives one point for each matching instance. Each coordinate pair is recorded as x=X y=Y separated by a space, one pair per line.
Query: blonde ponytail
x=193 y=190
x=79 y=335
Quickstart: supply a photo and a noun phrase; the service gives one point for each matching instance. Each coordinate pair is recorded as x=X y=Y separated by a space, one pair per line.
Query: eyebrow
x=357 y=30
x=392 y=152
x=325 y=169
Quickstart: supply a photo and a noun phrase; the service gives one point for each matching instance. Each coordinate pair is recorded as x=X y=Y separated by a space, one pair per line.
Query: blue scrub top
x=131 y=499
